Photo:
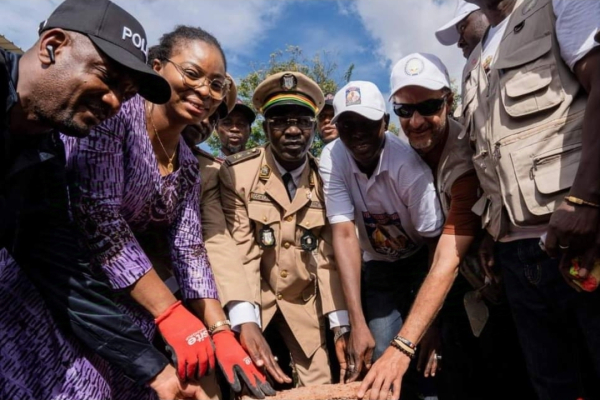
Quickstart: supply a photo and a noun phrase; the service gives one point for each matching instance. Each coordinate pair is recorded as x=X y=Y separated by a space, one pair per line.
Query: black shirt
x=36 y=229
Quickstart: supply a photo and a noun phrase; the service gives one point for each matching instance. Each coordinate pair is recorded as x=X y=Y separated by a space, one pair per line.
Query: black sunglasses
x=426 y=108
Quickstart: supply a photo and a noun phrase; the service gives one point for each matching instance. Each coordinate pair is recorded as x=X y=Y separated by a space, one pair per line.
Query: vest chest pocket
x=529 y=80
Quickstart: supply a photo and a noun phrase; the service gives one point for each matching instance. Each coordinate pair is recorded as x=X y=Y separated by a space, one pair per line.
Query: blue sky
x=372 y=34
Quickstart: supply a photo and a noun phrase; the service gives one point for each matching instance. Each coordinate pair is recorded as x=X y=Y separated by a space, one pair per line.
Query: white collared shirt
x=393 y=210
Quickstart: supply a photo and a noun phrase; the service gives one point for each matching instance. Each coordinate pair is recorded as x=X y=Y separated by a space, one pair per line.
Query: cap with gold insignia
x=288 y=88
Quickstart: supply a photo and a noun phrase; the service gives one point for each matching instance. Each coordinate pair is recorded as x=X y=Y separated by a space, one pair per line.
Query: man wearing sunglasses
x=234 y=129
x=376 y=186
x=273 y=203
x=422 y=99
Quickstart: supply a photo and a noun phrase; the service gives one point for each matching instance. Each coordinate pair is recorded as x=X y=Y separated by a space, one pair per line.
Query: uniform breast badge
x=265 y=172
x=266 y=237
x=308 y=241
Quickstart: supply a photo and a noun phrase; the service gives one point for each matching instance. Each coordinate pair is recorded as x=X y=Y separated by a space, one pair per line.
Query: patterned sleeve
x=96 y=169
x=190 y=261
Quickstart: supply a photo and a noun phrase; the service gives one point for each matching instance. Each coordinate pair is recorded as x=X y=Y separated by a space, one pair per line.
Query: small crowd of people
x=456 y=262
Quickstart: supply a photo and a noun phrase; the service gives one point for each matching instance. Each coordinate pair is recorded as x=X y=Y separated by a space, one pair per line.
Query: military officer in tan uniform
x=226 y=263
x=273 y=203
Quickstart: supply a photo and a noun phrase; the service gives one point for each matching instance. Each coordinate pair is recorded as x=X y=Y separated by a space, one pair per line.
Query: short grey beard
x=234 y=149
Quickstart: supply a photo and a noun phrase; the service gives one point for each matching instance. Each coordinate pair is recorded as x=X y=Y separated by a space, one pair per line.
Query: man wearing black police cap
x=89 y=59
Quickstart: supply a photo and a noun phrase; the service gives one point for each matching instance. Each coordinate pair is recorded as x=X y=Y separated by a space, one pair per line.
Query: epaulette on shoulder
x=242 y=156
x=199 y=152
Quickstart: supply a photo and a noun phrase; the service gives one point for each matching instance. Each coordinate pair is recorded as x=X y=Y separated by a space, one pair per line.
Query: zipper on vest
x=532 y=131
x=539 y=161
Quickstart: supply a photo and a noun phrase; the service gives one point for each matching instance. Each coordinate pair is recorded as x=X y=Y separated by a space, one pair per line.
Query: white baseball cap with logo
x=361 y=97
x=447 y=34
x=419 y=69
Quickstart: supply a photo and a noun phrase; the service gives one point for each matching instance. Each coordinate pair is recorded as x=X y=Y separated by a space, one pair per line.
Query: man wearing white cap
x=466 y=28
x=423 y=100
x=380 y=198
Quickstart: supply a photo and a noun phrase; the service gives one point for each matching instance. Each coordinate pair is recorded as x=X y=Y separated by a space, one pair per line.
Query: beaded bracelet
x=405 y=346
x=397 y=346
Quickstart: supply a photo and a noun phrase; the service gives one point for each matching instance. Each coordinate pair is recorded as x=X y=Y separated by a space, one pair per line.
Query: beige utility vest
x=454 y=163
x=524 y=119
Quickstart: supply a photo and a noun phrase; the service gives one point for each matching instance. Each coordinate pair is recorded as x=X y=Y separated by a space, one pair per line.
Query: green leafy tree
x=321 y=68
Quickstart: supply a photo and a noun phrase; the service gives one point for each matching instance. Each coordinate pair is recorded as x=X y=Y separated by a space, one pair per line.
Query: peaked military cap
x=288 y=87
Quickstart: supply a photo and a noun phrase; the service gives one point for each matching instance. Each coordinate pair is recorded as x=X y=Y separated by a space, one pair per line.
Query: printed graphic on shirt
x=386 y=234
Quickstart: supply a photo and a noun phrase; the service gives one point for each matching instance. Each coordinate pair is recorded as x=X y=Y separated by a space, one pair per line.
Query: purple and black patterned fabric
x=117 y=192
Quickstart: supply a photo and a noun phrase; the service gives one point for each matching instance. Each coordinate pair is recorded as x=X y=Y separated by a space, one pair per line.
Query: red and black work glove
x=236 y=363
x=188 y=342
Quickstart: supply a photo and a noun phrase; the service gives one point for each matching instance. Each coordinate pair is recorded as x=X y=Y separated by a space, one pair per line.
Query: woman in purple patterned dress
x=134 y=177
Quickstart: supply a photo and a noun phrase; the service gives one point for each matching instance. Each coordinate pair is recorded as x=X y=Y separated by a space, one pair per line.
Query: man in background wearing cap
x=77 y=75
x=327 y=130
x=531 y=95
x=466 y=28
x=234 y=129
x=225 y=261
x=376 y=185
x=472 y=368
x=273 y=203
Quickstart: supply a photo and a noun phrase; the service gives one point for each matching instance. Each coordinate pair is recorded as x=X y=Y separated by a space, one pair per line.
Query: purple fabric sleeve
x=191 y=266
x=97 y=166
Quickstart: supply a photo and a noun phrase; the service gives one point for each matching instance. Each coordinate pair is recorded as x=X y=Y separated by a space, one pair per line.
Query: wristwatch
x=341 y=332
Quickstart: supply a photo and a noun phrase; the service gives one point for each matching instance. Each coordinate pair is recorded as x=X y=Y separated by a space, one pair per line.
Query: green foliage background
x=321 y=67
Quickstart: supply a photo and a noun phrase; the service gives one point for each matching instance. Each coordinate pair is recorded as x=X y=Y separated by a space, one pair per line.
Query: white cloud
x=238 y=24
x=401 y=27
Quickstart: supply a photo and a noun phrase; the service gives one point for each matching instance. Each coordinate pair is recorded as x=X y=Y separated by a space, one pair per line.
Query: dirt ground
x=321 y=392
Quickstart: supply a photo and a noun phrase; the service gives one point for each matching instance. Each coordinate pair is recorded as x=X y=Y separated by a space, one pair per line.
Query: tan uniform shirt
x=302 y=284
x=225 y=261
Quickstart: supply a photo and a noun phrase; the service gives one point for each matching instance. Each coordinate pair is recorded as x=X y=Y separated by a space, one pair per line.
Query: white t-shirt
x=393 y=210
x=577 y=21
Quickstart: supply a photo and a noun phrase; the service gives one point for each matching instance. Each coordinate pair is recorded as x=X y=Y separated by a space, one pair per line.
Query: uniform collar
x=296 y=173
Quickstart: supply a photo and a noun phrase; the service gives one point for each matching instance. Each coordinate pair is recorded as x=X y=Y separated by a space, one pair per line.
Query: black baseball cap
x=245 y=110
x=118 y=34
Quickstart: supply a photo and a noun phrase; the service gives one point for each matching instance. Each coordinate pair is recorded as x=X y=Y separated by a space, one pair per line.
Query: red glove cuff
x=168 y=312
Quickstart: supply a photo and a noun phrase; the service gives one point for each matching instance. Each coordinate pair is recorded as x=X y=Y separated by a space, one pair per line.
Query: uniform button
x=286 y=245
x=279 y=296
x=289 y=218
x=265 y=219
x=284 y=273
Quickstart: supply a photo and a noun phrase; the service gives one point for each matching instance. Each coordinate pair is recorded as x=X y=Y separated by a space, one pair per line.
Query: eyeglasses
x=195 y=78
x=364 y=125
x=282 y=123
x=426 y=108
